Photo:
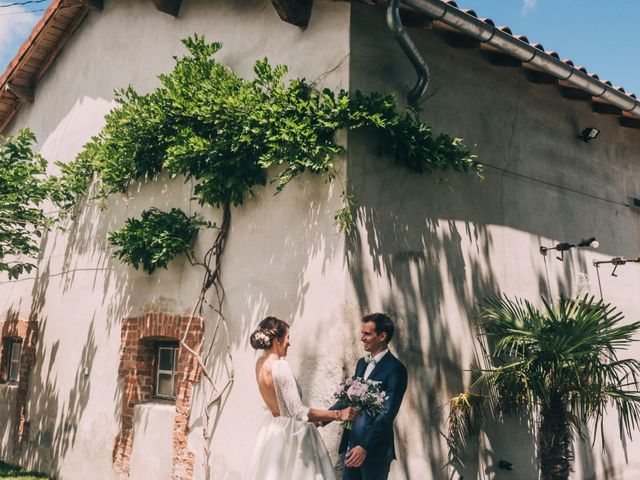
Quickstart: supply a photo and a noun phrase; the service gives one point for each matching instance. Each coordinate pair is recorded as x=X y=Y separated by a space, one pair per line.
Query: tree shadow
x=428 y=252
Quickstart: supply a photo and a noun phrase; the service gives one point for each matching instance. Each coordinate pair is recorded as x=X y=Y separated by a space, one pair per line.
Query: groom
x=369 y=444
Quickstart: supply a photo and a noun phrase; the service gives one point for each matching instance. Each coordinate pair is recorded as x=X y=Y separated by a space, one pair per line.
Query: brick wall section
x=137 y=372
x=27 y=331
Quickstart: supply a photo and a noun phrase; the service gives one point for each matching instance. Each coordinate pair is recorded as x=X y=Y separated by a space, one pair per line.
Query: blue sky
x=600 y=35
x=597 y=34
x=16 y=23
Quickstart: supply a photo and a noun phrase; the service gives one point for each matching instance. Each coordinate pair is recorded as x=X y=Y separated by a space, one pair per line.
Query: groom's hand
x=355 y=457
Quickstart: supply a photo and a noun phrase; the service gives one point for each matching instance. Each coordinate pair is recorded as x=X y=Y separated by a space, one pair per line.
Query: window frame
x=159 y=346
x=11 y=365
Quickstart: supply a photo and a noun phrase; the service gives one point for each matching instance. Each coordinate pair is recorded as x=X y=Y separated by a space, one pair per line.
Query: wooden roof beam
x=95 y=4
x=538 y=76
x=171 y=7
x=603 y=107
x=62 y=41
x=24 y=94
x=569 y=91
x=295 y=12
x=8 y=116
x=499 y=58
x=629 y=121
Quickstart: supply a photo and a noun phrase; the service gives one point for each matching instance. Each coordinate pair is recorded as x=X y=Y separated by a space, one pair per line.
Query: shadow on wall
x=54 y=422
x=267 y=263
x=81 y=293
x=67 y=344
x=78 y=287
x=432 y=248
x=427 y=254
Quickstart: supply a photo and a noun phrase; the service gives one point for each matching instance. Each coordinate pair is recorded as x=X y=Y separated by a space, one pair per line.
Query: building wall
x=429 y=252
x=80 y=294
x=426 y=252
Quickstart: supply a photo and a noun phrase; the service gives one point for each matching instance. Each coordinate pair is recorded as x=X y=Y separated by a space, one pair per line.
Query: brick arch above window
x=140 y=337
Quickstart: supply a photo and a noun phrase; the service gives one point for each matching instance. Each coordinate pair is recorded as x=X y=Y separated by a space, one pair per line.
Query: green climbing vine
x=156 y=238
x=227 y=136
x=208 y=124
x=25 y=190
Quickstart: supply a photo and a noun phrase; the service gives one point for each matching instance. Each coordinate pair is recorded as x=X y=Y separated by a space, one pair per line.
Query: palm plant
x=559 y=363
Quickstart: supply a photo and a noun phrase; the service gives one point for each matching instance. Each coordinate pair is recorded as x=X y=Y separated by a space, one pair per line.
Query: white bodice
x=288 y=392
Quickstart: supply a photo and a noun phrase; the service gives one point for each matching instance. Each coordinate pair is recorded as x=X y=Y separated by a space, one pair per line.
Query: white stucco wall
x=429 y=252
x=424 y=252
x=7 y=419
x=153 y=436
x=284 y=256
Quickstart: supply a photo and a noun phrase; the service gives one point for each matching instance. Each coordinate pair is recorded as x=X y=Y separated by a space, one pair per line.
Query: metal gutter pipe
x=397 y=30
x=506 y=43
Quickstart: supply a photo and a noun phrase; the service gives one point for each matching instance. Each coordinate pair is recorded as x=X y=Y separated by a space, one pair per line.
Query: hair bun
x=268 y=329
x=261 y=340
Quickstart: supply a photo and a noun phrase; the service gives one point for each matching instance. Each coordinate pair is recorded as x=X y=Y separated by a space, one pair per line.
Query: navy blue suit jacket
x=375 y=433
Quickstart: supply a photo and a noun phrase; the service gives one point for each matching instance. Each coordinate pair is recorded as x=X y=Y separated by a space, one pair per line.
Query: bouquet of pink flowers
x=365 y=395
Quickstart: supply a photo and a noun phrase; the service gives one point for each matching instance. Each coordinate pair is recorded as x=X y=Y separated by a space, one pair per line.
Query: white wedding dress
x=288 y=447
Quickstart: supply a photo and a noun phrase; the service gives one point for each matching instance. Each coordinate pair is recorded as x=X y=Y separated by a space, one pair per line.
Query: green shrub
x=156 y=238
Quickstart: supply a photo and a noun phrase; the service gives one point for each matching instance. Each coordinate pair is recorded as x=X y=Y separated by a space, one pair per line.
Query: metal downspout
x=490 y=35
x=397 y=30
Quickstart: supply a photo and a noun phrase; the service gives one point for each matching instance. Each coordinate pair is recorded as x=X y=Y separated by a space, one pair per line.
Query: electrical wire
x=76 y=5
x=555 y=185
x=22 y=13
x=27 y=2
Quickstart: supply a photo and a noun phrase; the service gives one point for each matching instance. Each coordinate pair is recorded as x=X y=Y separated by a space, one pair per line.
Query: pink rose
x=356 y=390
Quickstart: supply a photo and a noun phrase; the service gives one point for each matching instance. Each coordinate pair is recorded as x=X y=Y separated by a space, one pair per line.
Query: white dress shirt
x=372 y=365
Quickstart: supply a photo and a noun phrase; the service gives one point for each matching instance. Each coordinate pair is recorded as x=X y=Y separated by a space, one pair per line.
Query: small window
x=167 y=366
x=13 y=358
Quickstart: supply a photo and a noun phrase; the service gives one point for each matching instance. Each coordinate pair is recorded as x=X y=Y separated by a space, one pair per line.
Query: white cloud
x=528 y=6
x=14 y=30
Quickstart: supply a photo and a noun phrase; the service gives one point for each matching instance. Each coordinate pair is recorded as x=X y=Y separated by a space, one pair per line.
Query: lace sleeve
x=287 y=392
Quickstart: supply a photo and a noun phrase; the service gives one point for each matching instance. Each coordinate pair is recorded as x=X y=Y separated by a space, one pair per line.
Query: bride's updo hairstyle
x=269 y=329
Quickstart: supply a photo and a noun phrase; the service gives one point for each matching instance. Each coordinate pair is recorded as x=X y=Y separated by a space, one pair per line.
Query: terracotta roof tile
x=37 y=53
x=64 y=16
x=633 y=110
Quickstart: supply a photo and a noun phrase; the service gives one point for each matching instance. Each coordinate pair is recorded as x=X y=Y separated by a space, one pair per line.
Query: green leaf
x=156 y=238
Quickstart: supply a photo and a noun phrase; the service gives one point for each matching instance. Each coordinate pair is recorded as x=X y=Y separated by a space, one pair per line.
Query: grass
x=13 y=472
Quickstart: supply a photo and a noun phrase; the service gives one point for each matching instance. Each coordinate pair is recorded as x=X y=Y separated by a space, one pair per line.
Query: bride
x=288 y=446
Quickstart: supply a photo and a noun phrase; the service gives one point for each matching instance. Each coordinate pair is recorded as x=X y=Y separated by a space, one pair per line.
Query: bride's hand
x=348 y=414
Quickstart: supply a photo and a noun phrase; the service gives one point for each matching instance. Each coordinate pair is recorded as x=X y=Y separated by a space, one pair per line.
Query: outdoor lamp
x=589 y=242
x=588 y=134
x=616 y=262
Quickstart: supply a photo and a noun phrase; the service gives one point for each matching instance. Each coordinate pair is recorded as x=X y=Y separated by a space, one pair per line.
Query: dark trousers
x=367 y=471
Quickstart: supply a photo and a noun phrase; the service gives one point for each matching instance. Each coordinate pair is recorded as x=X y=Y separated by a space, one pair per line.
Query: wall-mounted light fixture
x=589 y=242
x=588 y=134
x=616 y=262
